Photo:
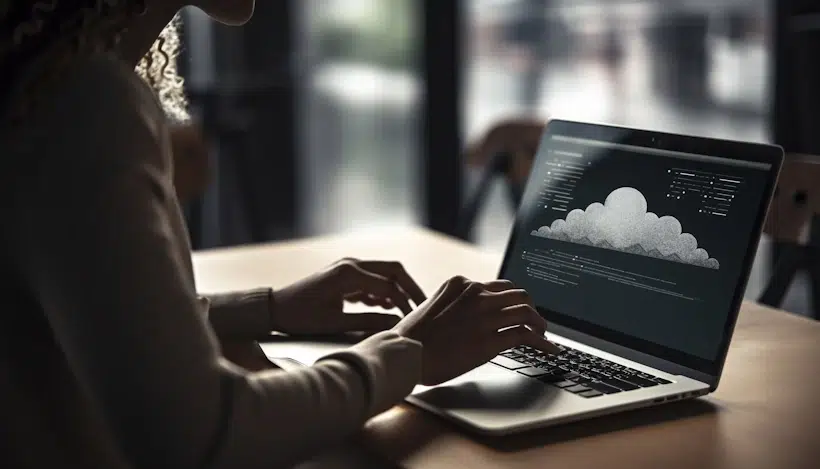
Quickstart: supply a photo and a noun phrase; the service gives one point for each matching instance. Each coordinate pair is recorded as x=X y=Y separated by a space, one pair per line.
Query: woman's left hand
x=315 y=305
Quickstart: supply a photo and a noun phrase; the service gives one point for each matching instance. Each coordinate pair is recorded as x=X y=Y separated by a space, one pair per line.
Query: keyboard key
x=564 y=384
x=576 y=367
x=584 y=379
x=593 y=376
x=551 y=378
x=532 y=372
x=636 y=380
x=620 y=384
x=577 y=388
x=603 y=387
x=551 y=369
x=508 y=363
x=654 y=378
x=590 y=393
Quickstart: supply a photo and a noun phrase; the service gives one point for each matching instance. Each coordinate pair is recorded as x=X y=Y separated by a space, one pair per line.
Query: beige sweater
x=107 y=356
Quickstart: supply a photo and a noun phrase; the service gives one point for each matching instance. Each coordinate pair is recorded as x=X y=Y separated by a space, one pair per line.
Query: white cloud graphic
x=622 y=223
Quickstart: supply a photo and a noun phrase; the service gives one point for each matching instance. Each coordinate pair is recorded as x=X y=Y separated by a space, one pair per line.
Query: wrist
x=408 y=328
x=273 y=323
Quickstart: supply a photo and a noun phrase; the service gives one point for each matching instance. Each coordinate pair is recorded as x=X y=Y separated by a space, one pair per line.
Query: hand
x=315 y=305
x=465 y=324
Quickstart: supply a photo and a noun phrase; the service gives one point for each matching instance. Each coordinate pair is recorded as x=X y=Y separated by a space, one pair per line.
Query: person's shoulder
x=97 y=108
x=101 y=90
x=102 y=72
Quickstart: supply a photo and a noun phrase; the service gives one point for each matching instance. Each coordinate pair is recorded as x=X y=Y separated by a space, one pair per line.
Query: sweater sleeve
x=243 y=315
x=91 y=232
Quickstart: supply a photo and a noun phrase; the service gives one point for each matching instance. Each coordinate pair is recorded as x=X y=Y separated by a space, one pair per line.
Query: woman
x=109 y=358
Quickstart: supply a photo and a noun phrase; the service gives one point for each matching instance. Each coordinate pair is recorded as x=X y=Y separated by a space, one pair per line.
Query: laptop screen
x=642 y=245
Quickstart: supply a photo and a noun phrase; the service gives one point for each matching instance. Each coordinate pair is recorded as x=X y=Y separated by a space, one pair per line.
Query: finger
x=450 y=292
x=452 y=288
x=503 y=299
x=378 y=286
x=469 y=291
x=373 y=300
x=368 y=322
x=369 y=300
x=358 y=297
x=520 y=335
x=396 y=272
x=499 y=286
x=519 y=315
x=385 y=303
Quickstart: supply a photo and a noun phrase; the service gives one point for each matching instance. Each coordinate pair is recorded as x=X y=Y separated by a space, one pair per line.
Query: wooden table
x=765 y=414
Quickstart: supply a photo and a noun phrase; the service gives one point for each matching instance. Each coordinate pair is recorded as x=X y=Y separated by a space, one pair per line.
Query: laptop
x=636 y=246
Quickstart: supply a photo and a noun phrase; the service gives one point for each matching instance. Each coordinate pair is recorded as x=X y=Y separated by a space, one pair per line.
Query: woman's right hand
x=465 y=324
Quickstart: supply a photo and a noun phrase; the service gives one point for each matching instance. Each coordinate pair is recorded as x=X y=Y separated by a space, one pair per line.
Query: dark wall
x=796 y=112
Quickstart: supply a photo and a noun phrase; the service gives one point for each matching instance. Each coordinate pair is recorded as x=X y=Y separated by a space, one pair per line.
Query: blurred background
x=337 y=115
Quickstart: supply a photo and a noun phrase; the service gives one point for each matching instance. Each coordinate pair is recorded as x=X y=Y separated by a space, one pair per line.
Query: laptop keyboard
x=577 y=372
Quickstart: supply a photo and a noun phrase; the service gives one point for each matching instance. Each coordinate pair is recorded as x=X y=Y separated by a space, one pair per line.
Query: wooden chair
x=506 y=151
x=193 y=173
x=793 y=223
x=192 y=163
x=513 y=168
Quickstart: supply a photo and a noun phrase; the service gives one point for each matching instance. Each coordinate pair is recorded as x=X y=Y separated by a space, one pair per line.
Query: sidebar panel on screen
x=644 y=242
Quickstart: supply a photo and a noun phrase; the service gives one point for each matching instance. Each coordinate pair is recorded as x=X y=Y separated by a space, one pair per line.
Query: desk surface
x=764 y=414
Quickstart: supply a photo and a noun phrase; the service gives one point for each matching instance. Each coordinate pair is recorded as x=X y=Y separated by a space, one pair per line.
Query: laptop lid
x=642 y=241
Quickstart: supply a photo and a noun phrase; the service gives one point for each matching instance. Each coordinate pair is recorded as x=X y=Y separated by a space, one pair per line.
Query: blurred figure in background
x=531 y=31
x=682 y=60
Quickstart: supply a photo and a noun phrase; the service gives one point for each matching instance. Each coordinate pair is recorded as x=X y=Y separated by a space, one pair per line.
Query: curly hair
x=50 y=33
x=159 y=69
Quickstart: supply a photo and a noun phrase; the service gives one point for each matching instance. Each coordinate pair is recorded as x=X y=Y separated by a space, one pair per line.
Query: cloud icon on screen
x=623 y=223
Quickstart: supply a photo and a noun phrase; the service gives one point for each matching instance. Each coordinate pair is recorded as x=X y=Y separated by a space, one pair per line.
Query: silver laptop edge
x=506 y=419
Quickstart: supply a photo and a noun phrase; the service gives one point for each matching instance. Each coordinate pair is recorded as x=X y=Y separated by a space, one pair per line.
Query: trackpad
x=489 y=387
x=494 y=400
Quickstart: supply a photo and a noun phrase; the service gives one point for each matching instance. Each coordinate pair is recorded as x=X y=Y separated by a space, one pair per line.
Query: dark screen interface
x=645 y=242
